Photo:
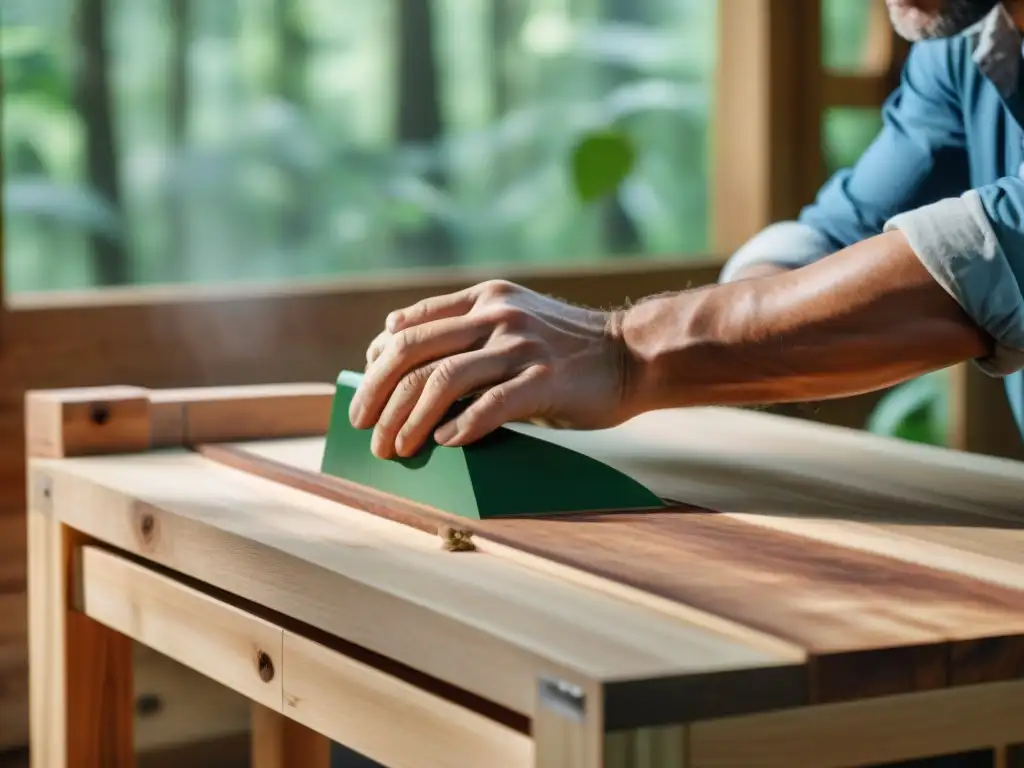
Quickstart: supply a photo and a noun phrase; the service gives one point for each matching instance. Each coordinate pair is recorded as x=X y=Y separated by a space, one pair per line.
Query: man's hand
x=862 y=319
x=524 y=355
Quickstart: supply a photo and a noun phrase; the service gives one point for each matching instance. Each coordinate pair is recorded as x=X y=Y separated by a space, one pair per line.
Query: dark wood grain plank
x=872 y=625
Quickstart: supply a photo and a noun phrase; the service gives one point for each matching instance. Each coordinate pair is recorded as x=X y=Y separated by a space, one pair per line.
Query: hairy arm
x=861 y=319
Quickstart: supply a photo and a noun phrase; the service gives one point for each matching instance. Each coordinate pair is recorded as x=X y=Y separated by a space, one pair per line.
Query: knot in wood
x=99 y=414
x=266 y=666
x=146 y=526
x=455 y=540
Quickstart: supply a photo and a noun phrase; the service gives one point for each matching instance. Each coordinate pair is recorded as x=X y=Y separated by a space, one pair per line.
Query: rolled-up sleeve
x=789 y=244
x=919 y=157
x=973 y=245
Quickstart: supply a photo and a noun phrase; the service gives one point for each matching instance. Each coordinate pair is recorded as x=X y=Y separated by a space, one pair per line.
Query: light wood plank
x=305 y=454
x=213 y=414
x=81 y=421
x=481 y=623
x=227 y=645
x=929 y=506
x=943 y=722
x=825 y=598
x=389 y=720
x=719 y=457
x=768 y=160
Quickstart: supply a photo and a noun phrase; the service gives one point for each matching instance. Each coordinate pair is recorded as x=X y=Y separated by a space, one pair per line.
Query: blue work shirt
x=947 y=169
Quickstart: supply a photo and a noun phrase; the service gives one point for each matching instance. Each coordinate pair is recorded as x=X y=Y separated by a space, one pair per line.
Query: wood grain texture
x=950 y=721
x=379 y=584
x=873 y=625
x=227 y=645
x=199 y=414
x=388 y=720
x=81 y=671
x=90 y=420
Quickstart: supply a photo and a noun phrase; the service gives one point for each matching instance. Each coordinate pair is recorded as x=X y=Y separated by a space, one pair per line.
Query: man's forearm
x=862 y=319
x=764 y=269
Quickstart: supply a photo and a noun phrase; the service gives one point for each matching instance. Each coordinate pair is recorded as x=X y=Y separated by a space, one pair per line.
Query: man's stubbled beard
x=954 y=17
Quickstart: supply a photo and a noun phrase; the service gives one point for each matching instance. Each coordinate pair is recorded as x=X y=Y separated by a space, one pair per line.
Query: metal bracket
x=563 y=697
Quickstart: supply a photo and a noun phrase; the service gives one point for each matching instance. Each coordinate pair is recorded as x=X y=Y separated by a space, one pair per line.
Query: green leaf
x=914 y=410
x=600 y=162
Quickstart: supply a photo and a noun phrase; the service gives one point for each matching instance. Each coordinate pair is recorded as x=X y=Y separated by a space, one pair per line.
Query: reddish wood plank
x=873 y=625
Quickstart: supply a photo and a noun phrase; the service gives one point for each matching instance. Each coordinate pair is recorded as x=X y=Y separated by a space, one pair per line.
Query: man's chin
x=947 y=19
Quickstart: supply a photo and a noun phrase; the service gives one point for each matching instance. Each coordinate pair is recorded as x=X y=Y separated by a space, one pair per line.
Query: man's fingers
x=405 y=351
x=451 y=379
x=434 y=308
x=377 y=346
x=397 y=410
x=514 y=400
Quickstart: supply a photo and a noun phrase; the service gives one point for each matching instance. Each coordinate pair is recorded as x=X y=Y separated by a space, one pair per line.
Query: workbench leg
x=568 y=733
x=280 y=742
x=80 y=672
x=1009 y=756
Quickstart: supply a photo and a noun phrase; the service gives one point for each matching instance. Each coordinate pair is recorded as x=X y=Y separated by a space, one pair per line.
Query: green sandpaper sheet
x=504 y=474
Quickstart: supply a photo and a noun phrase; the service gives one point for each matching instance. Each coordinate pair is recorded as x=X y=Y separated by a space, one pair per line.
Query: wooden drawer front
x=385 y=718
x=227 y=645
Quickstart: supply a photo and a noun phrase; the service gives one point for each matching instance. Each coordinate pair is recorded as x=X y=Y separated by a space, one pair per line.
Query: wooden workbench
x=819 y=597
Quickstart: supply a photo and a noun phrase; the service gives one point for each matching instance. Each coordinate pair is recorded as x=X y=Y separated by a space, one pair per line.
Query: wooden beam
x=905 y=727
x=231 y=647
x=854 y=91
x=768 y=161
x=359 y=706
x=80 y=674
x=568 y=726
x=83 y=421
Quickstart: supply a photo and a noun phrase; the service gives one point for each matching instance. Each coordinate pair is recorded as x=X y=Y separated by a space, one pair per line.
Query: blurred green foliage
x=267 y=139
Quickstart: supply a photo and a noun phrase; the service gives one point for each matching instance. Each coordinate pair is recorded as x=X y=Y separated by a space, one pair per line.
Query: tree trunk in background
x=505 y=22
x=292 y=62
x=621 y=235
x=292 y=52
x=179 y=257
x=420 y=121
x=94 y=101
